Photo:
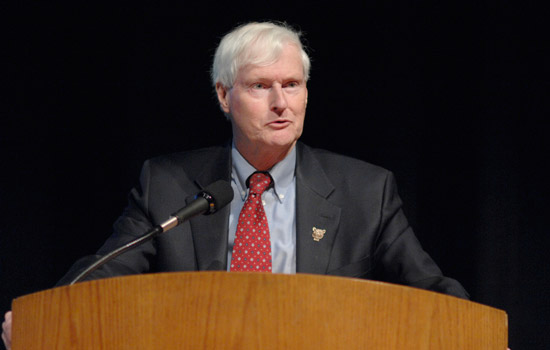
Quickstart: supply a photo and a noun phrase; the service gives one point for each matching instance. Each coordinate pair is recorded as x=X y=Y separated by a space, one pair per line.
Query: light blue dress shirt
x=279 y=205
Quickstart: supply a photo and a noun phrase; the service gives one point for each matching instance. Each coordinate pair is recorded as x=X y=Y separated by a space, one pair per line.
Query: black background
x=450 y=96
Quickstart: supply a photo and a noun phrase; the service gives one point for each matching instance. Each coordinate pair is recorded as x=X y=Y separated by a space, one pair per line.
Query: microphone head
x=218 y=194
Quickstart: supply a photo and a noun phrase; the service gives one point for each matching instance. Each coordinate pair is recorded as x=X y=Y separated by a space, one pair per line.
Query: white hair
x=253 y=43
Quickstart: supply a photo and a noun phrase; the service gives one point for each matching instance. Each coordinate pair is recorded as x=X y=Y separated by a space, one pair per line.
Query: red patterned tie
x=252 y=247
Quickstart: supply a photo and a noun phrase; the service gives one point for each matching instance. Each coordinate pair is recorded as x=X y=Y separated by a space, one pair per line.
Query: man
x=326 y=213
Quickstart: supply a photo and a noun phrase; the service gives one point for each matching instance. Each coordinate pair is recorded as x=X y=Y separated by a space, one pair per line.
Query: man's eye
x=292 y=84
x=258 y=86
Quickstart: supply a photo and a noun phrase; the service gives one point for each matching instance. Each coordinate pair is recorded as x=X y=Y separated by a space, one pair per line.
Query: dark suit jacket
x=367 y=234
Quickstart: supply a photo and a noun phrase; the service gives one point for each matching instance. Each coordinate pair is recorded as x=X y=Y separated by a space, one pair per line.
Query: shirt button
x=263 y=202
x=281 y=196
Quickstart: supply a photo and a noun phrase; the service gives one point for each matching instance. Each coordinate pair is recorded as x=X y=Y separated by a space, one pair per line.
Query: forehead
x=287 y=66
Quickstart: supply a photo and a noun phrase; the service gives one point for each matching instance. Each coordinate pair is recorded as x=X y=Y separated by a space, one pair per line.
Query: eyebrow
x=262 y=79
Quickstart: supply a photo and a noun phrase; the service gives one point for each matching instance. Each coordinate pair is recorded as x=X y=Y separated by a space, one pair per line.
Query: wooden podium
x=220 y=310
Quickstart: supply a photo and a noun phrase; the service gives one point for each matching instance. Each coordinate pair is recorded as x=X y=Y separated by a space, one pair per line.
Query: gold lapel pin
x=318 y=234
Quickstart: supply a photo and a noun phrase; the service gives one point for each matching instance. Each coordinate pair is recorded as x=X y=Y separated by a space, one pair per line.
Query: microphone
x=214 y=197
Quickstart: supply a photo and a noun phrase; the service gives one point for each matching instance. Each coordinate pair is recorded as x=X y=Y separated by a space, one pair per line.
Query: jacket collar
x=210 y=232
x=313 y=211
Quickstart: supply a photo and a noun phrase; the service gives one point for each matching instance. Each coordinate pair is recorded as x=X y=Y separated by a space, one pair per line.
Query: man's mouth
x=283 y=121
x=279 y=123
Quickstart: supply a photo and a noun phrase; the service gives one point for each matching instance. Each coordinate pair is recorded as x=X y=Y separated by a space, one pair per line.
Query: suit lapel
x=313 y=210
x=210 y=231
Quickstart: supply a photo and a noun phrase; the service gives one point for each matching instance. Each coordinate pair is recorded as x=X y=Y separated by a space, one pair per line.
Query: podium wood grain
x=220 y=310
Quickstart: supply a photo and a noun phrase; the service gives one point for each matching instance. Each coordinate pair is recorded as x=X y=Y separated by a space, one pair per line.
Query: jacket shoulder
x=336 y=164
x=194 y=162
x=189 y=158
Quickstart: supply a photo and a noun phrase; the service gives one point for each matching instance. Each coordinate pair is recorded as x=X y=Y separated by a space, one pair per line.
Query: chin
x=282 y=146
x=284 y=139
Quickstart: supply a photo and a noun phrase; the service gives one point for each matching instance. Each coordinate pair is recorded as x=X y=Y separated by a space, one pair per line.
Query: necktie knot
x=259 y=182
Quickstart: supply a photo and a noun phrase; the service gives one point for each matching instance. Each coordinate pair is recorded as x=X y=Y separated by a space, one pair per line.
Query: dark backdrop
x=452 y=97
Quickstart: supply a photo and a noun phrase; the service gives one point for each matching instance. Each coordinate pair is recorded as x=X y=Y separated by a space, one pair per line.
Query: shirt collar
x=282 y=172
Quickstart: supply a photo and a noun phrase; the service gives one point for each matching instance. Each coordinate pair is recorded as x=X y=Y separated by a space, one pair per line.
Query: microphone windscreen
x=221 y=193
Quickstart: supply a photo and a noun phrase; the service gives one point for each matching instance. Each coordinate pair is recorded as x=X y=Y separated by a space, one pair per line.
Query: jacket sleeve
x=399 y=257
x=134 y=222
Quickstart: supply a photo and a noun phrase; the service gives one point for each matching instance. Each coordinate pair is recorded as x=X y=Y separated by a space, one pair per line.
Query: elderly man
x=319 y=212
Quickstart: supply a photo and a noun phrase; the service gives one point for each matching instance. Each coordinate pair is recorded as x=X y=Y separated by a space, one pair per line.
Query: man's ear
x=223 y=97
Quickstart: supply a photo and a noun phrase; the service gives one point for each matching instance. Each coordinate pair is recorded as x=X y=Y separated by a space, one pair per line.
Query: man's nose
x=278 y=99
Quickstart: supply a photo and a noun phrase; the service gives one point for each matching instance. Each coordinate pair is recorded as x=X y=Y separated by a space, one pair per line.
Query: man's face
x=267 y=104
